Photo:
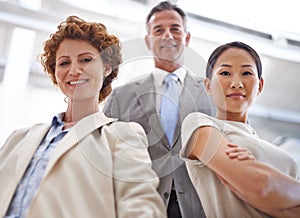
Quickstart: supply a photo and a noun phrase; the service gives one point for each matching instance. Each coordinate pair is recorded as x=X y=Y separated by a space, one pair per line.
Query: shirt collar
x=160 y=74
x=58 y=119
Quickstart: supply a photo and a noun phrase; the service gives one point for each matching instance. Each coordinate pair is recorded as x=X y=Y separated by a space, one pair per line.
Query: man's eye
x=175 y=29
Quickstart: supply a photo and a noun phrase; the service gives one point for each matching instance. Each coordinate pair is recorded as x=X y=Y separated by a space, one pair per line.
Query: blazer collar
x=76 y=134
x=28 y=147
x=191 y=91
x=146 y=94
x=188 y=100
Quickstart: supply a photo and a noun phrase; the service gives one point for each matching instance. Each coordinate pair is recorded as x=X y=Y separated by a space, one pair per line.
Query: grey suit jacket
x=101 y=168
x=136 y=101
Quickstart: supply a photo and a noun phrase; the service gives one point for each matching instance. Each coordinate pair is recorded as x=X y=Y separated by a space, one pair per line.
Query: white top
x=217 y=199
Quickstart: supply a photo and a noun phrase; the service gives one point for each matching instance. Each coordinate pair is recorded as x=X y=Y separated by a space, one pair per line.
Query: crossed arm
x=265 y=188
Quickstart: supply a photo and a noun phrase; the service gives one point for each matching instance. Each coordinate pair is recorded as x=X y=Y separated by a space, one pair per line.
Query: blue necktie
x=170 y=106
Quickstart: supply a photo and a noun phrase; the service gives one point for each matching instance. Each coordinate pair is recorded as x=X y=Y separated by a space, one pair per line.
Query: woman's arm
x=261 y=185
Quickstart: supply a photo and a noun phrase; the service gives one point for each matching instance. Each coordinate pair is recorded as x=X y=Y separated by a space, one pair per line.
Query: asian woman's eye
x=225 y=73
x=247 y=73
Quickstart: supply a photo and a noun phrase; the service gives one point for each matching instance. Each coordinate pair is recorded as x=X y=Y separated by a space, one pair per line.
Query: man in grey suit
x=141 y=101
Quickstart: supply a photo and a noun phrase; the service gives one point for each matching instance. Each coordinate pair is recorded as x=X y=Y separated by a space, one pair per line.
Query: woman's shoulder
x=192 y=122
x=20 y=134
x=125 y=135
x=127 y=128
x=115 y=124
x=121 y=128
x=194 y=115
x=198 y=119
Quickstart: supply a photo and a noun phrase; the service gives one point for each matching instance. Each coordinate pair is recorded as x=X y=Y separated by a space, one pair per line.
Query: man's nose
x=168 y=34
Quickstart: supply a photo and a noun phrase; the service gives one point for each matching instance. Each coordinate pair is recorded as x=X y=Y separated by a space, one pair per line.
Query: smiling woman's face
x=234 y=84
x=79 y=70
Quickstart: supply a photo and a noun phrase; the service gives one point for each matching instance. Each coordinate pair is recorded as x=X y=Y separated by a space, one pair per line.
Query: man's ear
x=207 y=86
x=260 y=86
x=187 y=38
x=147 y=41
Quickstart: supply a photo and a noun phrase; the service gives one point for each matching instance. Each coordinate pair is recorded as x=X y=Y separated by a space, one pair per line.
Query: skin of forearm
x=274 y=212
x=264 y=186
x=273 y=190
x=289 y=213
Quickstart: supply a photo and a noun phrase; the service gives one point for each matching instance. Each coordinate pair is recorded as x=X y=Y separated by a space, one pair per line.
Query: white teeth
x=168 y=46
x=77 y=82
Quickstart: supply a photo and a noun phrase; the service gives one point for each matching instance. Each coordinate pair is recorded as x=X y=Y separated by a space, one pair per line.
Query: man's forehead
x=167 y=16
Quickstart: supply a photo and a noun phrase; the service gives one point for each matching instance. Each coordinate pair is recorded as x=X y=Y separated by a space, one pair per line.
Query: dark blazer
x=136 y=101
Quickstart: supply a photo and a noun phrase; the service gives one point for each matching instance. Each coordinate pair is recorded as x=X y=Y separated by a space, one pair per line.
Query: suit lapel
x=76 y=134
x=191 y=91
x=146 y=94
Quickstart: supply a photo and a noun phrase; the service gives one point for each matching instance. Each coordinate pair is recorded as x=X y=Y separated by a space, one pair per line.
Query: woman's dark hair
x=95 y=34
x=219 y=50
x=166 y=6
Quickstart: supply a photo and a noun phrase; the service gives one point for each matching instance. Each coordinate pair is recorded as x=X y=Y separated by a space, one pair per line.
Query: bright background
x=271 y=27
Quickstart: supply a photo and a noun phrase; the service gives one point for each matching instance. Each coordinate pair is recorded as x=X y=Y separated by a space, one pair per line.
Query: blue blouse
x=32 y=177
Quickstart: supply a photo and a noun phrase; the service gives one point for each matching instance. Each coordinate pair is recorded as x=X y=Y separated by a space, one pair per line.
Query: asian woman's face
x=234 y=84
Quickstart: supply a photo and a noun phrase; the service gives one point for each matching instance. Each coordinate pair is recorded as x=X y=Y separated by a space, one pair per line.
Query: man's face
x=167 y=36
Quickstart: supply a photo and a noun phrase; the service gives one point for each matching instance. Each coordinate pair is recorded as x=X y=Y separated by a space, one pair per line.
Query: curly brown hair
x=73 y=27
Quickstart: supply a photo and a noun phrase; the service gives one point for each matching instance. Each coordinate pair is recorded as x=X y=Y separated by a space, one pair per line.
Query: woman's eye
x=63 y=63
x=247 y=73
x=84 y=60
x=225 y=73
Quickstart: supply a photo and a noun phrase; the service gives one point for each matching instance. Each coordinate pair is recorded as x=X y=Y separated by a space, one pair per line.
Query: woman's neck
x=79 y=109
x=238 y=117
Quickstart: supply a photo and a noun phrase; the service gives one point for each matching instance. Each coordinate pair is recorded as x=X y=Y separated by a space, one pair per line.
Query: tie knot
x=171 y=77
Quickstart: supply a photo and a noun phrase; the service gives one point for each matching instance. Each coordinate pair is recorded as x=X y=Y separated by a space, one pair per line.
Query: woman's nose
x=237 y=84
x=75 y=69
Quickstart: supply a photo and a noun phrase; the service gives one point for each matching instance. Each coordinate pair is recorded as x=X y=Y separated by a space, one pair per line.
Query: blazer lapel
x=28 y=146
x=76 y=134
x=21 y=157
x=190 y=93
x=145 y=91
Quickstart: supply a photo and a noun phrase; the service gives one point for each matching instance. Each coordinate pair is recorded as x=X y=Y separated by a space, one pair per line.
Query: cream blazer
x=101 y=168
